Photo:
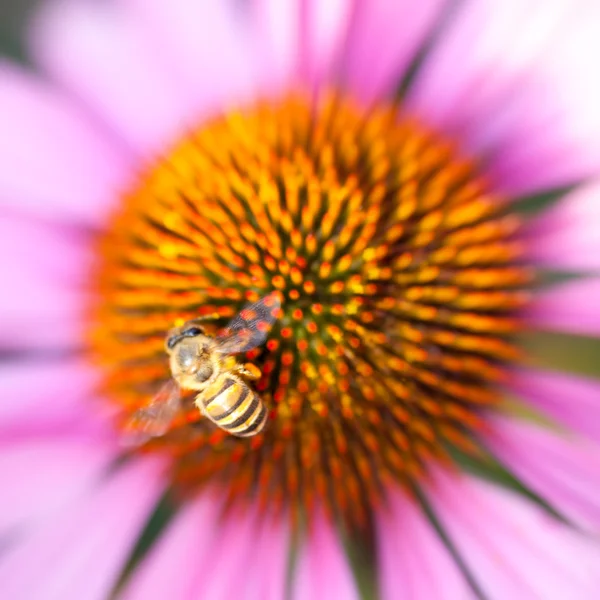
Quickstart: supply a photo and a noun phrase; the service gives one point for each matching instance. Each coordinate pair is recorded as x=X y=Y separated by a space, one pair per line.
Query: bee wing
x=154 y=419
x=250 y=327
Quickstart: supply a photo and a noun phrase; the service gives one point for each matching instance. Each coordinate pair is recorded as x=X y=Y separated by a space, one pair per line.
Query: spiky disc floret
x=400 y=275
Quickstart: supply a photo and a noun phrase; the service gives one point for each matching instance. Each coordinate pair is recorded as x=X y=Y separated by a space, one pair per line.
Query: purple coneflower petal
x=503 y=94
x=58 y=467
x=174 y=563
x=55 y=163
x=323 y=27
x=571 y=307
x=50 y=397
x=260 y=562
x=567 y=235
x=564 y=472
x=322 y=571
x=514 y=548
x=382 y=40
x=300 y=42
x=190 y=33
x=202 y=556
x=105 y=526
x=572 y=401
x=44 y=268
x=232 y=551
x=267 y=580
x=413 y=562
x=51 y=326
x=277 y=40
x=45 y=251
x=103 y=56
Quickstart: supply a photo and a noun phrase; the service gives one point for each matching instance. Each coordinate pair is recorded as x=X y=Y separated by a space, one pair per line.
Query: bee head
x=190 y=329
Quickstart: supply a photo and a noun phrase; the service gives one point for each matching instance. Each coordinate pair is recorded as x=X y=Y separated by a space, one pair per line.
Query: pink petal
x=567 y=234
x=572 y=401
x=270 y=554
x=173 y=564
x=55 y=162
x=277 y=41
x=200 y=556
x=383 y=38
x=101 y=53
x=53 y=252
x=413 y=562
x=239 y=544
x=54 y=326
x=572 y=307
x=42 y=302
x=323 y=31
x=53 y=397
x=322 y=570
x=564 y=472
x=80 y=553
x=298 y=43
x=59 y=467
x=499 y=82
x=268 y=582
x=210 y=45
x=513 y=548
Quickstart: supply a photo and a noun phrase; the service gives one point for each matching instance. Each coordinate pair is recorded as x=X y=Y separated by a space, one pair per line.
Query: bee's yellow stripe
x=257 y=425
x=252 y=421
x=235 y=407
x=247 y=408
x=226 y=400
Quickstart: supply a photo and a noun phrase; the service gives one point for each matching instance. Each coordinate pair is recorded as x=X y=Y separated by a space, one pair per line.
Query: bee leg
x=248 y=370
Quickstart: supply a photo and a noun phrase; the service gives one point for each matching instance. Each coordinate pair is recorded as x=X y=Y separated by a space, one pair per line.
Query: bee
x=206 y=364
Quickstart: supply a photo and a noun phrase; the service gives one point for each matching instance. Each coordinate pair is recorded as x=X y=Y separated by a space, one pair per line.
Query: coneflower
x=414 y=182
x=401 y=276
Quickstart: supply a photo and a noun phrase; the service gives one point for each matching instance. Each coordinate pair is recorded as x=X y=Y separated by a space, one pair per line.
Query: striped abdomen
x=232 y=405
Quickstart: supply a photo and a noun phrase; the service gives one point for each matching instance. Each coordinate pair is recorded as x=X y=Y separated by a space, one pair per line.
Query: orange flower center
x=399 y=274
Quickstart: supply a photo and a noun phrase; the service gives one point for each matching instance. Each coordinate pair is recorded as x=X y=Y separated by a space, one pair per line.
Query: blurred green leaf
x=13 y=19
x=563 y=352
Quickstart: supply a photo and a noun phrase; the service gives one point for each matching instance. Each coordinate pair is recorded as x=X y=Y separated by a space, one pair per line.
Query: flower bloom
x=404 y=177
